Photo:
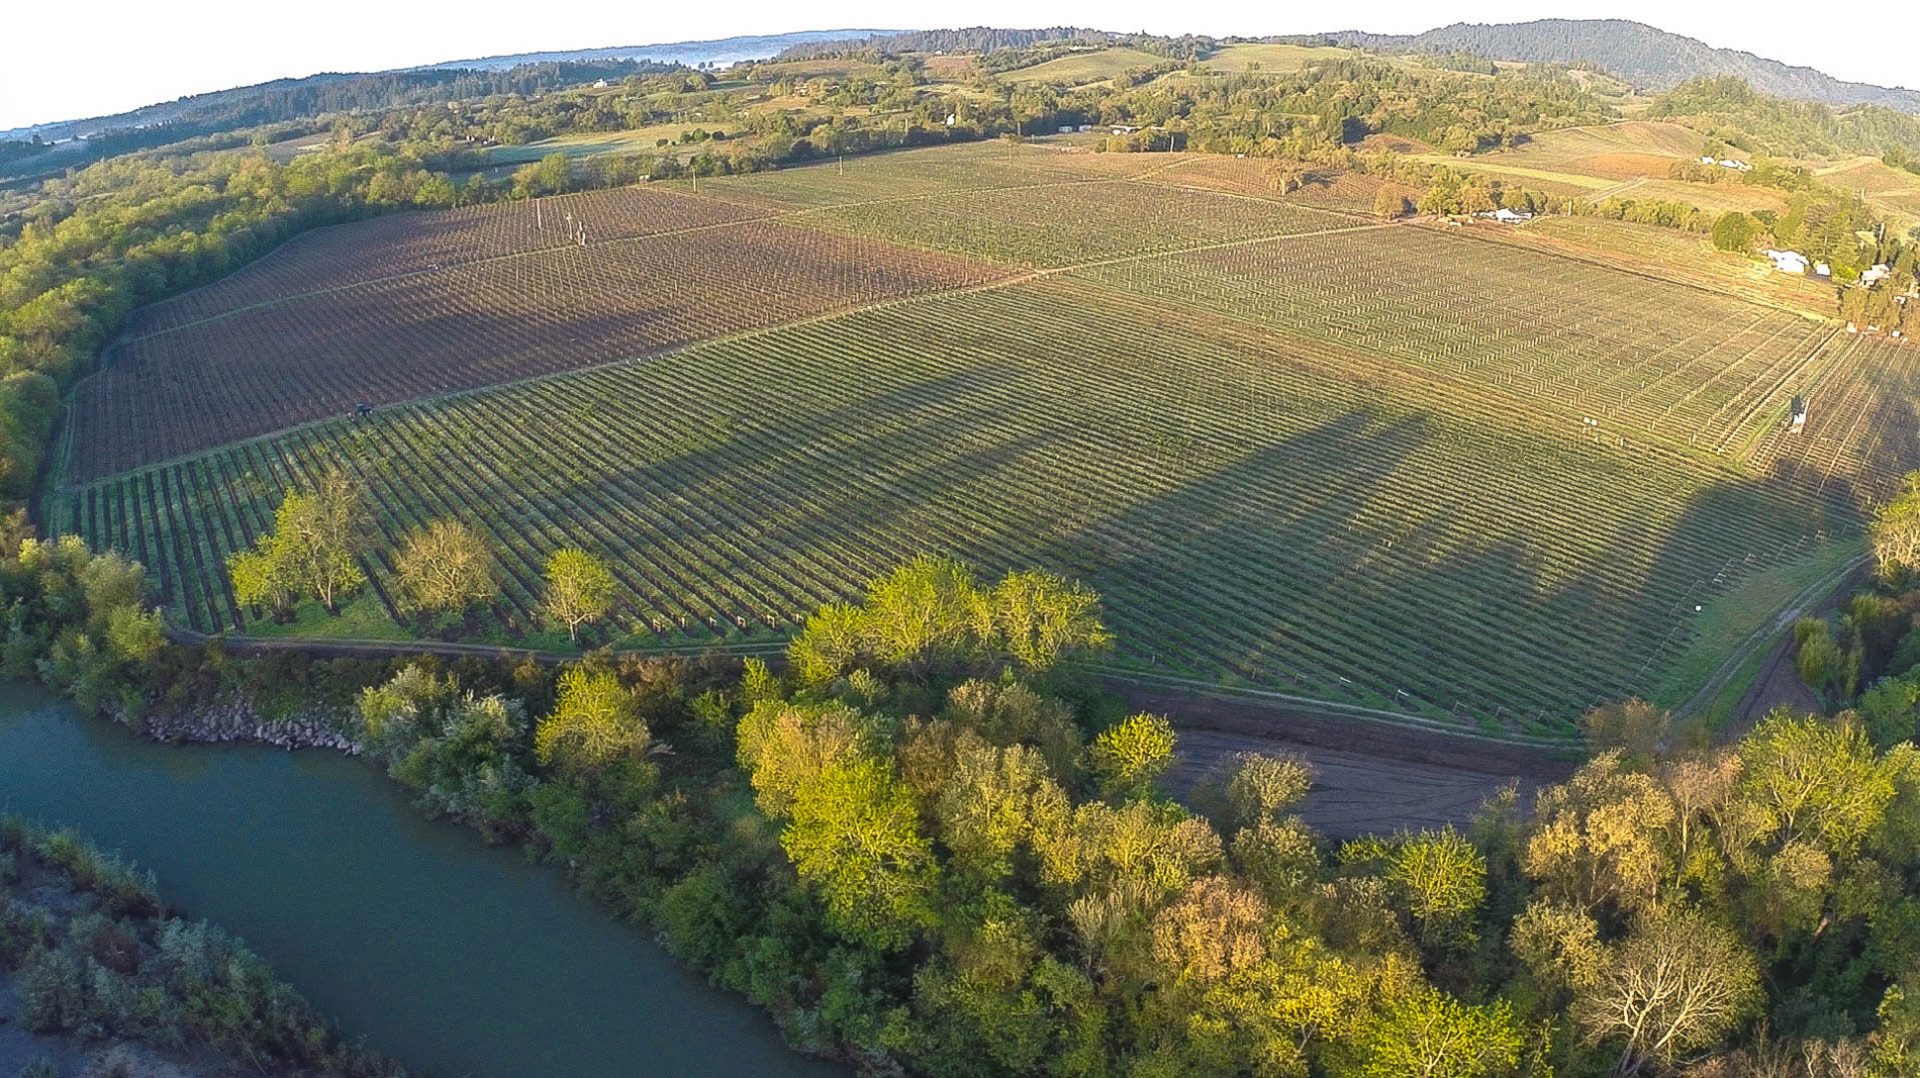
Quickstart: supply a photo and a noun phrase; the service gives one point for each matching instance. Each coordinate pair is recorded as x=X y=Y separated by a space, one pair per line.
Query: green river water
x=454 y=956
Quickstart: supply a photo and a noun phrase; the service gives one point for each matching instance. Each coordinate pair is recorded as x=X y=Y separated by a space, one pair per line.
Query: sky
x=104 y=56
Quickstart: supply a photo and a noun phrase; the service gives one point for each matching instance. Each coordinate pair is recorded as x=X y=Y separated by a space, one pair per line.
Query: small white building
x=1066 y=129
x=1737 y=166
x=1878 y=272
x=1124 y=129
x=1084 y=128
x=1821 y=269
x=1788 y=261
x=599 y=84
x=1512 y=217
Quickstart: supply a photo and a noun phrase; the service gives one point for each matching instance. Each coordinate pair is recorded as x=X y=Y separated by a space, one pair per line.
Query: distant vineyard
x=1638 y=356
x=1281 y=513
x=1064 y=225
x=265 y=368
x=410 y=243
x=1863 y=424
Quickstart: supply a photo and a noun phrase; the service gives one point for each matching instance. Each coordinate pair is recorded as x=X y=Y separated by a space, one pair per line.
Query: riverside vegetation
x=930 y=846
x=93 y=954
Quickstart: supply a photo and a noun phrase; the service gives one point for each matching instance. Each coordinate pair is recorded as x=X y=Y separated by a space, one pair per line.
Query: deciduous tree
x=1676 y=985
x=1895 y=532
x=595 y=723
x=579 y=589
x=1128 y=756
x=444 y=566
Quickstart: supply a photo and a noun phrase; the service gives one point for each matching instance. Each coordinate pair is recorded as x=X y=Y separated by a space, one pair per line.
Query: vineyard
x=1049 y=227
x=1684 y=257
x=1477 y=473
x=1277 y=512
x=472 y=324
x=1863 y=432
x=1639 y=357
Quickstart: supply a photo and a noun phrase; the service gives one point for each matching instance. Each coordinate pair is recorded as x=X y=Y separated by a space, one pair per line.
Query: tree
x=1437 y=877
x=1389 y=203
x=444 y=566
x=1040 y=618
x=595 y=723
x=1432 y=1035
x=989 y=807
x=314 y=548
x=1262 y=787
x=1733 y=231
x=1895 y=532
x=1130 y=755
x=579 y=589
x=1890 y=711
x=855 y=834
x=1634 y=727
x=1803 y=778
x=924 y=612
x=1674 y=986
x=259 y=580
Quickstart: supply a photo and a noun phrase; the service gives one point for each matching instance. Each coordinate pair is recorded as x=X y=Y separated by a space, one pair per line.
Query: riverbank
x=395 y=925
x=98 y=975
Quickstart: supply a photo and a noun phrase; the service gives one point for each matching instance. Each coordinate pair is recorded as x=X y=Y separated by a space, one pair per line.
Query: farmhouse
x=1512 y=217
x=1124 y=129
x=1821 y=269
x=1788 y=261
x=1880 y=271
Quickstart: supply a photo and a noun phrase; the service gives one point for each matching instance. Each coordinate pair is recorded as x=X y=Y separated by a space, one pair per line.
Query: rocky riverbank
x=239 y=720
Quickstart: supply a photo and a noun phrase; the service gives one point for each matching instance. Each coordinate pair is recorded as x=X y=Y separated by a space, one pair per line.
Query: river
x=452 y=955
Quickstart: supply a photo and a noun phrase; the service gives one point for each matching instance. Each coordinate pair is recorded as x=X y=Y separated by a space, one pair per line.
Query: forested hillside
x=1647 y=56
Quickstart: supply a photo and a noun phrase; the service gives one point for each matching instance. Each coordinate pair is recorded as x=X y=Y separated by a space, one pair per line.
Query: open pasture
x=1250 y=56
x=1566 y=339
x=1256 y=508
x=1082 y=67
x=634 y=140
x=1715 y=198
x=1619 y=151
x=497 y=320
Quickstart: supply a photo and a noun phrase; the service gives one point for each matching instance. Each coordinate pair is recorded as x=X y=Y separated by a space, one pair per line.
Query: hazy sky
x=68 y=60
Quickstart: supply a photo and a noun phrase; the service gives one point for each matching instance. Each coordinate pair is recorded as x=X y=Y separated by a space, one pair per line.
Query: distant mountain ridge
x=725 y=50
x=1644 y=55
